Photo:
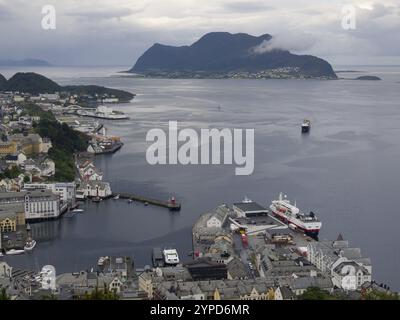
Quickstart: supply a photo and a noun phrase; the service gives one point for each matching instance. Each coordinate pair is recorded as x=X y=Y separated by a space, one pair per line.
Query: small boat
x=97 y=199
x=306 y=126
x=30 y=245
x=101 y=261
x=70 y=214
x=146 y=203
x=130 y=201
x=78 y=210
x=15 y=252
x=116 y=197
x=171 y=257
x=1 y=254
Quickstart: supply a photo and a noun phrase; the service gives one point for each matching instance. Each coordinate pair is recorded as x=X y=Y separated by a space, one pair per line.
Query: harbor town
x=240 y=251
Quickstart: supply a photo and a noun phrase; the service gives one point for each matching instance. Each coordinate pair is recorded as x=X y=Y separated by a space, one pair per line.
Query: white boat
x=116 y=197
x=103 y=112
x=14 y=252
x=294 y=218
x=78 y=210
x=101 y=261
x=171 y=256
x=30 y=245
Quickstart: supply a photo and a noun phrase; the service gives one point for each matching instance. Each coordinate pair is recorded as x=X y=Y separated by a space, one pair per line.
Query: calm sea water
x=346 y=170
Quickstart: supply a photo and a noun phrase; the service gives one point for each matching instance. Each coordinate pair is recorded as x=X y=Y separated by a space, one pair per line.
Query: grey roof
x=250 y=207
x=32 y=194
x=287 y=294
x=221 y=212
x=351 y=253
x=237 y=269
x=307 y=282
x=339 y=267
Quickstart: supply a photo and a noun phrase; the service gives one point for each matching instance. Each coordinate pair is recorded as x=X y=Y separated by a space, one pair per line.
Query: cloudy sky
x=117 y=32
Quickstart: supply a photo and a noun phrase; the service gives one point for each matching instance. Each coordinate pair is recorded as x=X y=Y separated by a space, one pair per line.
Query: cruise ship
x=103 y=112
x=290 y=214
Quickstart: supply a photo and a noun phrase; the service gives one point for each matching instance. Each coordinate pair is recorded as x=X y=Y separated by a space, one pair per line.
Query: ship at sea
x=306 y=126
x=291 y=215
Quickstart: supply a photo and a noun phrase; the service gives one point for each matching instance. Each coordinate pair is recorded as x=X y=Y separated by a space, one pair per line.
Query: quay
x=172 y=205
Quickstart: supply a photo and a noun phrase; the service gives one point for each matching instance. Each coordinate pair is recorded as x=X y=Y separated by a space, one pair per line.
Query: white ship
x=171 y=256
x=103 y=112
x=290 y=214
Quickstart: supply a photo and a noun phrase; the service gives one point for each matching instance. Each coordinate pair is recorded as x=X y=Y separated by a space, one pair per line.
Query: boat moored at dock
x=294 y=218
x=102 y=112
x=30 y=245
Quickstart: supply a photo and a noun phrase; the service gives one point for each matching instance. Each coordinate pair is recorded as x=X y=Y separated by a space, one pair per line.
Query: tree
x=101 y=294
x=3 y=294
x=380 y=295
x=315 y=293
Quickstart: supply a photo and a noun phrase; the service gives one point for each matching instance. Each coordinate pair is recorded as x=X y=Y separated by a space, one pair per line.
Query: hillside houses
x=88 y=171
x=40 y=167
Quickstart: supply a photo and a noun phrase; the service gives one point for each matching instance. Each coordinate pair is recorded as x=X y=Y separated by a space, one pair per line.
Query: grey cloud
x=247 y=6
x=102 y=14
x=292 y=41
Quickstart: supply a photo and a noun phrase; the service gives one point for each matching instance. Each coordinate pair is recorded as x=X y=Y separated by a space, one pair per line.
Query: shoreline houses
x=91 y=184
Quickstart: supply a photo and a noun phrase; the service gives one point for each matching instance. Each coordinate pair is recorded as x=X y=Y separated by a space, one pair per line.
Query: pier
x=172 y=205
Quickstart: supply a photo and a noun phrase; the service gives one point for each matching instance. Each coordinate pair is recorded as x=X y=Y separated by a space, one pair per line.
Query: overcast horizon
x=116 y=33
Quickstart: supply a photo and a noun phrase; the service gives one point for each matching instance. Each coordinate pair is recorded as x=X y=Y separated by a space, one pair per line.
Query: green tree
x=65 y=142
x=380 y=295
x=3 y=294
x=315 y=293
x=101 y=294
x=50 y=296
x=11 y=173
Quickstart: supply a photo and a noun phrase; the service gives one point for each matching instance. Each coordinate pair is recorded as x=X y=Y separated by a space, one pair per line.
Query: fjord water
x=346 y=170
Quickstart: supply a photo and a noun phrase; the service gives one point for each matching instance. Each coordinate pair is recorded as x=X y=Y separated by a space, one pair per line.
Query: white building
x=66 y=190
x=49 y=96
x=42 y=205
x=94 y=189
x=89 y=172
x=337 y=258
x=218 y=218
x=38 y=204
x=350 y=275
x=17 y=159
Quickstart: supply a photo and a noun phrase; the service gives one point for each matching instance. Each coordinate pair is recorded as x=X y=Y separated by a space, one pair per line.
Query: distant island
x=24 y=63
x=34 y=83
x=225 y=55
x=368 y=78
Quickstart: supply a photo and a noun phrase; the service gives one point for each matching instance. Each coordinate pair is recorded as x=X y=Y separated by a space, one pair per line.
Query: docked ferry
x=290 y=214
